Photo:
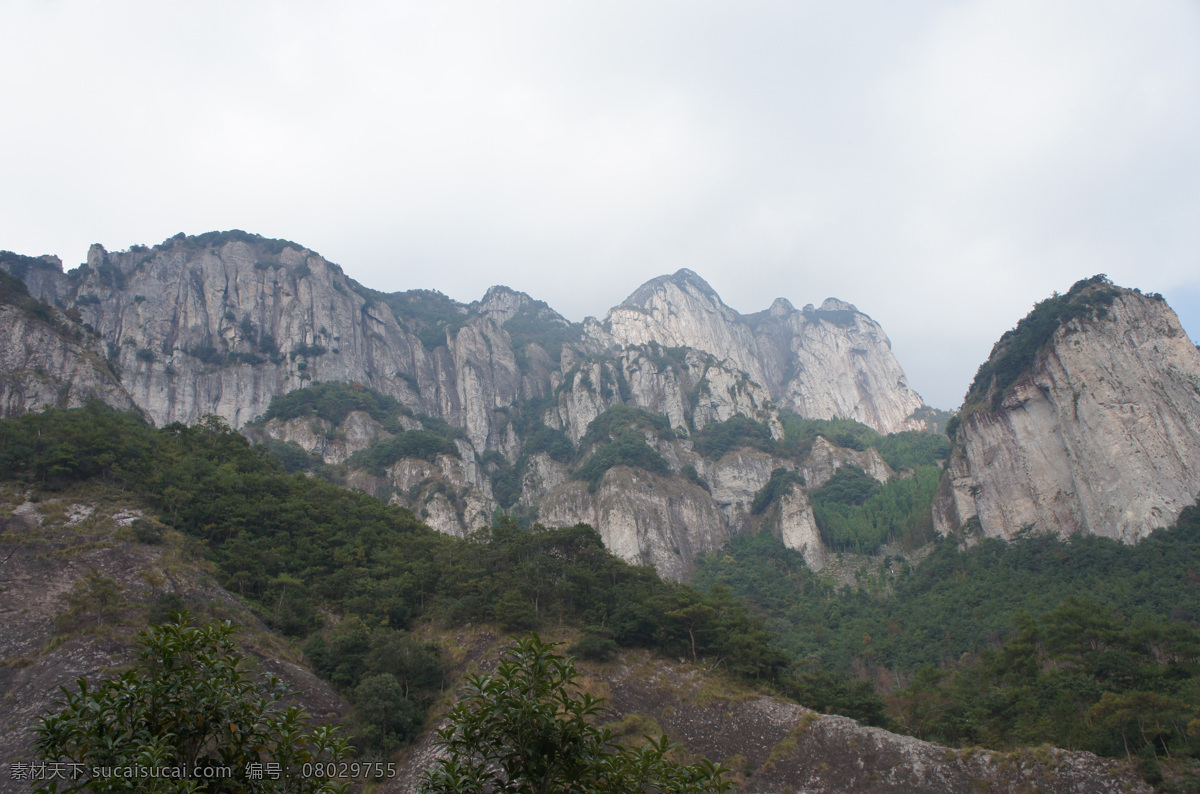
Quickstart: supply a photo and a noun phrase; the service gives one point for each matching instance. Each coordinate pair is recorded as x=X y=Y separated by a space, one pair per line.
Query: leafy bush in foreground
x=527 y=728
x=188 y=703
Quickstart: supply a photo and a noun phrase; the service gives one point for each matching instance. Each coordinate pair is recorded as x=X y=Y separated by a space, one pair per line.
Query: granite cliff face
x=1098 y=434
x=46 y=360
x=825 y=363
x=225 y=322
x=40 y=367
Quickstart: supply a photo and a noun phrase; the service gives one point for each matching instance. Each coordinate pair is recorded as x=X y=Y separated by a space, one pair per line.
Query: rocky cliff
x=46 y=359
x=225 y=322
x=824 y=363
x=1085 y=419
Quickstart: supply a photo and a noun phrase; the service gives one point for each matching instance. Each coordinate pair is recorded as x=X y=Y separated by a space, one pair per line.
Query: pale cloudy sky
x=943 y=165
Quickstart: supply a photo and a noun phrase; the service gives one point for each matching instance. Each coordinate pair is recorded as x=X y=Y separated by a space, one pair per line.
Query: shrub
x=187 y=702
x=781 y=483
x=718 y=438
x=526 y=728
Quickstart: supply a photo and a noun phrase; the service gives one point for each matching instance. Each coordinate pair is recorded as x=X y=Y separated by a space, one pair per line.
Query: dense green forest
x=1085 y=643
x=296 y=548
x=856 y=513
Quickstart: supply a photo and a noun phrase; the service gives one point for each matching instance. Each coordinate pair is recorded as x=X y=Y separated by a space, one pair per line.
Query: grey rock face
x=1101 y=436
x=826 y=458
x=334 y=444
x=222 y=323
x=643 y=518
x=224 y=329
x=831 y=362
x=667 y=522
x=42 y=367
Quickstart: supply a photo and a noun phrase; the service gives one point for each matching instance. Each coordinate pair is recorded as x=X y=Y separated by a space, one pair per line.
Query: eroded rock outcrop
x=824 y=363
x=43 y=365
x=50 y=548
x=1098 y=434
x=225 y=322
x=48 y=359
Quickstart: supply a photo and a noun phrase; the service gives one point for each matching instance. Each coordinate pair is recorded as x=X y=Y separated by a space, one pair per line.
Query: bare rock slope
x=824 y=363
x=47 y=547
x=1095 y=430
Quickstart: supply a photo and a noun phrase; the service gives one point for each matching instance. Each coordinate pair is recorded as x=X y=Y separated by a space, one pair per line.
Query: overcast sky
x=942 y=165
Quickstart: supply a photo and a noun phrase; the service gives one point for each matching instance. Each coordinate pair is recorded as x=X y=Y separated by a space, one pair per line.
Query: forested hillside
x=299 y=549
x=1087 y=644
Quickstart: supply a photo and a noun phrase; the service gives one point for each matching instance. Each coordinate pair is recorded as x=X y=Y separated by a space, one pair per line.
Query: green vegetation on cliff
x=716 y=439
x=909 y=449
x=617 y=437
x=333 y=402
x=14 y=292
x=270 y=245
x=426 y=312
x=1017 y=351
x=856 y=513
x=781 y=483
x=535 y=323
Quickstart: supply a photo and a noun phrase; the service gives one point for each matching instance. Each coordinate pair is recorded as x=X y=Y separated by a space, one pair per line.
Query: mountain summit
x=1085 y=419
x=823 y=363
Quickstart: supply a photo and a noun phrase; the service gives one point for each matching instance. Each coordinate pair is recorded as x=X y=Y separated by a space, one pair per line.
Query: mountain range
x=675 y=426
x=672 y=425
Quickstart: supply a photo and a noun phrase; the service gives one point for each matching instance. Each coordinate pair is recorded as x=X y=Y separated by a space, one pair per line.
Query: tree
x=527 y=730
x=96 y=595
x=187 y=704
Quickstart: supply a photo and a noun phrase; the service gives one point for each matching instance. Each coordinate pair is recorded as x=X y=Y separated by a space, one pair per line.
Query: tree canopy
x=187 y=705
x=527 y=728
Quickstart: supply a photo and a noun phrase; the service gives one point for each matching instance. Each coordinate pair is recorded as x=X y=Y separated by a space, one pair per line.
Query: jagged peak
x=500 y=292
x=835 y=311
x=835 y=305
x=501 y=300
x=503 y=303
x=684 y=279
x=96 y=255
x=781 y=307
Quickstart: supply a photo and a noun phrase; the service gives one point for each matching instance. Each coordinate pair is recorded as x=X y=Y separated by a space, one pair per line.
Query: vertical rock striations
x=824 y=363
x=224 y=322
x=1085 y=419
x=47 y=358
